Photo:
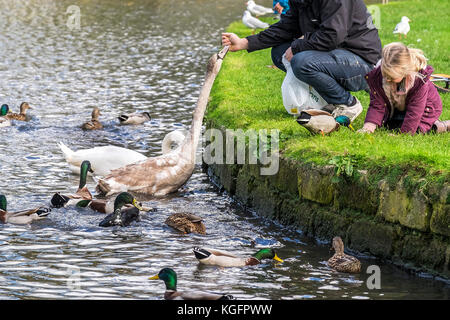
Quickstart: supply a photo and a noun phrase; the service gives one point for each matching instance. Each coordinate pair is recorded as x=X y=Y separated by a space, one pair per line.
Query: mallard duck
x=106 y=158
x=186 y=223
x=122 y=217
x=93 y=124
x=4 y=122
x=320 y=121
x=22 y=116
x=21 y=217
x=58 y=200
x=169 y=277
x=343 y=262
x=227 y=259
x=134 y=118
x=164 y=174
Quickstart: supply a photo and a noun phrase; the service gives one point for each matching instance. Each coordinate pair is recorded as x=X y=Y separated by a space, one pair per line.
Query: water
x=136 y=56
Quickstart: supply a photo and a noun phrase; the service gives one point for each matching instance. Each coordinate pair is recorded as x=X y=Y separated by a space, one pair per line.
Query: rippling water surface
x=135 y=56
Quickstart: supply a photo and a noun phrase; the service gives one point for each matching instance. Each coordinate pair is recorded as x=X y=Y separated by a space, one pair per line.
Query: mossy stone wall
x=407 y=225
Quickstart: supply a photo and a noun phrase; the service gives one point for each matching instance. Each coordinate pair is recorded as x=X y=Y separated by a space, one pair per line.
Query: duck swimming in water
x=123 y=217
x=22 y=116
x=134 y=118
x=186 y=223
x=169 y=277
x=94 y=123
x=226 y=259
x=58 y=200
x=21 y=217
x=343 y=262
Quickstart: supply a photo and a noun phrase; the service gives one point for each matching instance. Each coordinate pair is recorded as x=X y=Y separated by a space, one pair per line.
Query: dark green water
x=145 y=56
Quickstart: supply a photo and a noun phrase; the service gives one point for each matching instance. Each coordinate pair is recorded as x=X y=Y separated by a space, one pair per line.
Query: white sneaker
x=344 y=110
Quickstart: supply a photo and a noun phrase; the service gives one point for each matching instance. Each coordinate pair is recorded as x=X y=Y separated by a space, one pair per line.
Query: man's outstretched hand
x=234 y=42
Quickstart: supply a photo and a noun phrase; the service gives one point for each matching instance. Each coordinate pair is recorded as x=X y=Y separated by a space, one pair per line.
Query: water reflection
x=135 y=56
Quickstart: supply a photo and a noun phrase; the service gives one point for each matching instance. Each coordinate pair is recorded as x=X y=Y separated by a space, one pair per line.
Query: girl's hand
x=367 y=128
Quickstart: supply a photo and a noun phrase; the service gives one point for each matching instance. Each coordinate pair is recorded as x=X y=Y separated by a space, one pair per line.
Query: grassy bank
x=247 y=95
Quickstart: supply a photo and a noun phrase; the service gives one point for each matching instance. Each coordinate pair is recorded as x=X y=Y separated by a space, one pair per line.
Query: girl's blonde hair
x=399 y=61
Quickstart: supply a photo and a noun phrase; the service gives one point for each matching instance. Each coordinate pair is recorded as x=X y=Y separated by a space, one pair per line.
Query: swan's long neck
x=214 y=64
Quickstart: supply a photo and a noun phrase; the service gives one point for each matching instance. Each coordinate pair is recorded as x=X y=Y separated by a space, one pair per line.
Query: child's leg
x=440 y=126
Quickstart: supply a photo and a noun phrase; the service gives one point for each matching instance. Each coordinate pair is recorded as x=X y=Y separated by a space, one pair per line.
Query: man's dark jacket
x=326 y=25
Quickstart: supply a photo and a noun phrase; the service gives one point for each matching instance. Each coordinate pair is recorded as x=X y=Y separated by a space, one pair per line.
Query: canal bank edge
x=406 y=221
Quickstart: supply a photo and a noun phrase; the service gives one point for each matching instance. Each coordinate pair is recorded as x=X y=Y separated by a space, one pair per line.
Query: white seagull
x=252 y=22
x=257 y=10
x=402 y=27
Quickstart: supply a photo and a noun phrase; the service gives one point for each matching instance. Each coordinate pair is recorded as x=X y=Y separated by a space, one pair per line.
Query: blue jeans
x=332 y=73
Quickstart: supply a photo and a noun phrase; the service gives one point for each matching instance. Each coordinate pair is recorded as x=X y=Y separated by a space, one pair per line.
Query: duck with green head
x=58 y=200
x=4 y=121
x=227 y=259
x=320 y=121
x=21 y=217
x=169 y=277
x=123 y=217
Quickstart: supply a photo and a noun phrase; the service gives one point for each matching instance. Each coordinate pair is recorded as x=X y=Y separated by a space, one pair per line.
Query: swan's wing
x=154 y=174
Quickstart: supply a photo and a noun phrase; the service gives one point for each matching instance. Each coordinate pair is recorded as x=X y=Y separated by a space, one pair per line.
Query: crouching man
x=331 y=45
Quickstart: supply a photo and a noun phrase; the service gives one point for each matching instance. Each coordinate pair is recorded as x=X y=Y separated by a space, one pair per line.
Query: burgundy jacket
x=423 y=103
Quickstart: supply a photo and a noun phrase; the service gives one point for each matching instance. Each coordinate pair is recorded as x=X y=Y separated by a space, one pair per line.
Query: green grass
x=247 y=95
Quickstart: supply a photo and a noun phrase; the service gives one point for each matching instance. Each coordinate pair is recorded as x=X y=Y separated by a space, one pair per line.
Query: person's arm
x=335 y=18
x=414 y=110
x=283 y=31
x=375 y=113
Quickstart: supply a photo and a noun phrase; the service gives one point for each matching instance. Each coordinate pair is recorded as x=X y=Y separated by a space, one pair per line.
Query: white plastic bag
x=297 y=95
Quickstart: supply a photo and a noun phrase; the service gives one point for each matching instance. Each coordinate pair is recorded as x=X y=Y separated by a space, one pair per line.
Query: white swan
x=107 y=158
x=165 y=174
